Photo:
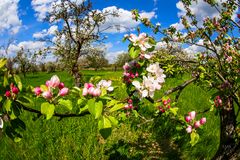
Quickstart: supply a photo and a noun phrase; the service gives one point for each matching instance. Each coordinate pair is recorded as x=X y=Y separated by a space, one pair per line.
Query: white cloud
x=123 y=22
x=111 y=56
x=45 y=32
x=201 y=9
x=43 y=7
x=9 y=19
x=194 y=49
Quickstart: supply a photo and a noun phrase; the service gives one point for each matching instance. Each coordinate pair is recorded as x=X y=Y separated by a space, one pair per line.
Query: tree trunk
x=76 y=75
x=228 y=149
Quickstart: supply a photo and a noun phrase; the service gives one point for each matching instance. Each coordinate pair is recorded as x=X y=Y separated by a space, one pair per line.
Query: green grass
x=77 y=138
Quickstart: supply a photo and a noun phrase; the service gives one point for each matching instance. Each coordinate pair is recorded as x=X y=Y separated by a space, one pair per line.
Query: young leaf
x=7 y=105
x=47 y=109
x=98 y=109
x=113 y=120
x=194 y=138
x=116 y=107
x=18 y=81
x=134 y=52
x=91 y=106
x=66 y=103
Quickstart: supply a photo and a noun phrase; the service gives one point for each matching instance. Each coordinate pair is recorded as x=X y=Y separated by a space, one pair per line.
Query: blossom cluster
x=218 y=101
x=152 y=82
x=51 y=86
x=12 y=93
x=166 y=105
x=130 y=71
x=90 y=89
x=194 y=124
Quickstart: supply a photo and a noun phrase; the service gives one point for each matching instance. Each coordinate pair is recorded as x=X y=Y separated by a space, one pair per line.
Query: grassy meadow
x=77 y=138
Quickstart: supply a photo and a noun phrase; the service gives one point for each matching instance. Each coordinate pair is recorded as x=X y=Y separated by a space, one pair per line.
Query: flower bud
x=192 y=115
x=15 y=90
x=54 y=82
x=37 y=91
x=197 y=124
x=126 y=106
x=8 y=94
x=61 y=85
x=47 y=83
x=47 y=95
x=188 y=119
x=165 y=102
x=203 y=120
x=189 y=129
x=85 y=91
x=63 y=92
x=130 y=106
x=97 y=92
x=91 y=90
x=130 y=101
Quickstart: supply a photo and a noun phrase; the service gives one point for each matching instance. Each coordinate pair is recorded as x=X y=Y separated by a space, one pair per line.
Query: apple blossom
x=54 y=81
x=37 y=91
x=203 y=120
x=189 y=129
x=47 y=94
x=1 y=122
x=197 y=124
x=192 y=115
x=61 y=85
x=8 y=94
x=15 y=90
x=97 y=92
x=188 y=119
x=85 y=91
x=63 y=91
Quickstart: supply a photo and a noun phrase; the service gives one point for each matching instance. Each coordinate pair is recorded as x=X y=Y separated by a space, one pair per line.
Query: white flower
x=1 y=123
x=137 y=84
x=141 y=41
x=105 y=84
x=153 y=68
x=144 y=93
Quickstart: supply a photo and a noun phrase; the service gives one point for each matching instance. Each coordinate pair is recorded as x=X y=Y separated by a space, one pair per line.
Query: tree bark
x=76 y=75
x=228 y=148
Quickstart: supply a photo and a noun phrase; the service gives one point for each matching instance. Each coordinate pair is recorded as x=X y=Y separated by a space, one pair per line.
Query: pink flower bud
x=63 y=92
x=54 y=82
x=47 y=83
x=165 y=102
x=8 y=94
x=126 y=66
x=192 y=115
x=130 y=101
x=136 y=74
x=37 y=91
x=61 y=85
x=169 y=100
x=15 y=90
x=97 y=92
x=85 y=91
x=47 y=95
x=91 y=90
x=188 y=119
x=126 y=107
x=130 y=106
x=197 y=124
x=203 y=120
x=189 y=129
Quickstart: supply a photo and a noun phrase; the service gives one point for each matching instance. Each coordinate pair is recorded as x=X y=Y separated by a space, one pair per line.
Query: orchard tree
x=96 y=58
x=80 y=26
x=122 y=59
x=217 y=65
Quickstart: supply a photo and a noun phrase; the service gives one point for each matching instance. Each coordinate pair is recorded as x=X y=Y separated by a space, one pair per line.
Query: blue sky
x=21 y=20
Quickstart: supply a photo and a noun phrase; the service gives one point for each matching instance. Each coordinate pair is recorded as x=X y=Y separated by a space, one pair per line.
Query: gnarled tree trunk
x=228 y=148
x=77 y=76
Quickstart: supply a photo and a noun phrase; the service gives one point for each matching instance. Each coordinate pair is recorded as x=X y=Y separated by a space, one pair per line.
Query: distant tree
x=80 y=27
x=122 y=59
x=96 y=58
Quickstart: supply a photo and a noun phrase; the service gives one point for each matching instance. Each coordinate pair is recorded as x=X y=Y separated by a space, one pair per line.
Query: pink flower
x=97 y=92
x=47 y=94
x=88 y=85
x=85 y=91
x=203 y=120
x=126 y=107
x=15 y=90
x=91 y=90
x=192 y=115
x=130 y=101
x=61 y=85
x=8 y=94
x=197 y=124
x=47 y=83
x=54 y=82
x=37 y=91
x=165 y=102
x=188 y=119
x=189 y=129
x=63 y=92
x=229 y=59
x=130 y=106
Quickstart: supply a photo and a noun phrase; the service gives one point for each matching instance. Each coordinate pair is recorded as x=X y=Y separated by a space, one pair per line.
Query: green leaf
x=174 y=110
x=194 y=138
x=113 y=120
x=112 y=103
x=18 y=81
x=47 y=109
x=5 y=79
x=7 y=105
x=105 y=132
x=104 y=92
x=2 y=62
x=134 y=52
x=26 y=101
x=66 y=103
x=116 y=107
x=98 y=109
x=91 y=106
